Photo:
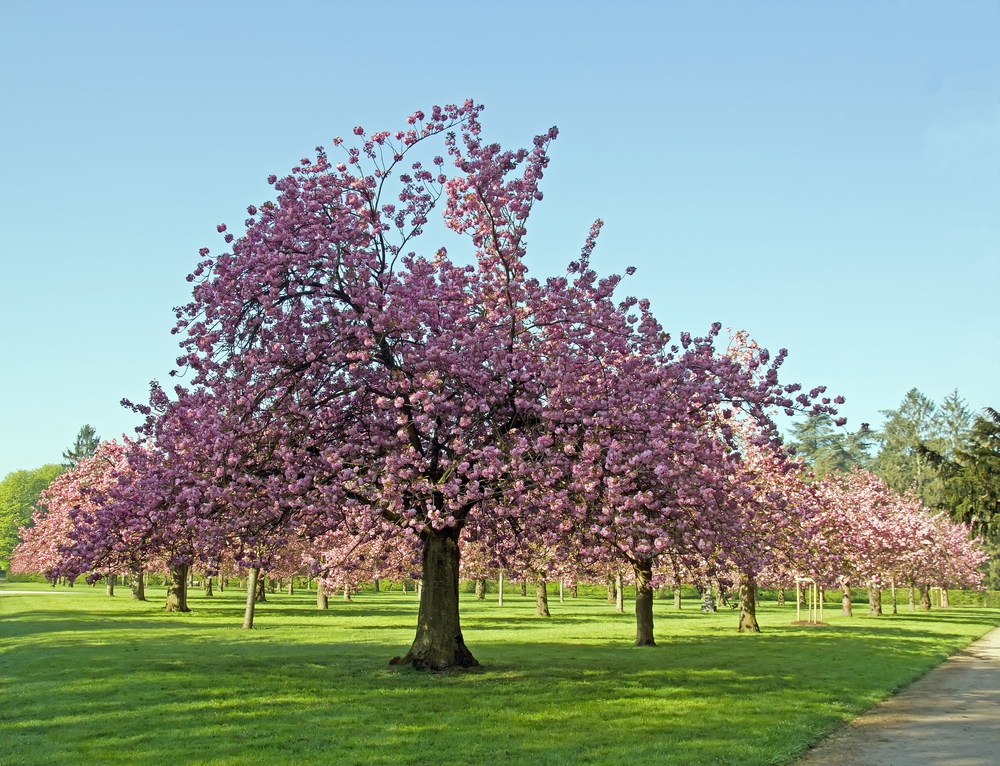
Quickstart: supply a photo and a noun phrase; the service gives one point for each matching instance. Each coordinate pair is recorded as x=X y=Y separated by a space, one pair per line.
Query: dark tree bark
x=137 y=583
x=644 y=603
x=874 y=601
x=177 y=582
x=438 y=644
x=253 y=580
x=925 y=598
x=541 y=598
x=481 y=589
x=846 y=607
x=208 y=586
x=524 y=587
x=376 y=585
x=260 y=585
x=748 y=605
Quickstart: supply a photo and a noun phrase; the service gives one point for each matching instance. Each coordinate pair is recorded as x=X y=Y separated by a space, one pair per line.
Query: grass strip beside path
x=85 y=678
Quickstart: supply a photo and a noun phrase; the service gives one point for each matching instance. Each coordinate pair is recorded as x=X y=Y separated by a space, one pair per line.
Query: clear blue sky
x=826 y=176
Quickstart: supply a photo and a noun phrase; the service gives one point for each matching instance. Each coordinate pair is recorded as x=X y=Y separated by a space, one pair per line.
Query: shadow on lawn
x=149 y=699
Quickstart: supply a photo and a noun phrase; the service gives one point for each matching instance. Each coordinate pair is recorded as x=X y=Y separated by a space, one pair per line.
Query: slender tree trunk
x=541 y=599
x=222 y=584
x=261 y=586
x=376 y=584
x=137 y=583
x=322 y=601
x=574 y=591
x=925 y=598
x=561 y=599
x=177 y=581
x=677 y=596
x=438 y=644
x=109 y=584
x=846 y=607
x=347 y=593
x=402 y=584
x=874 y=601
x=208 y=585
x=781 y=596
x=611 y=590
x=253 y=579
x=619 y=595
x=291 y=587
x=480 y=589
x=524 y=587
x=644 y=603
x=944 y=598
x=913 y=603
x=500 y=590
x=748 y=605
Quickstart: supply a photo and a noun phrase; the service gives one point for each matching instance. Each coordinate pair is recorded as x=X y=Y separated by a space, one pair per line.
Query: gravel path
x=950 y=717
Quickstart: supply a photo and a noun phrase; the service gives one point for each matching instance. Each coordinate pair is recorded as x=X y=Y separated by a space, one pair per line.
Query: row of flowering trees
x=353 y=404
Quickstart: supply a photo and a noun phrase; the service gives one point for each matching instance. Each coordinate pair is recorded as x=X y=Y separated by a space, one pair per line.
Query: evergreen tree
x=826 y=449
x=900 y=462
x=85 y=446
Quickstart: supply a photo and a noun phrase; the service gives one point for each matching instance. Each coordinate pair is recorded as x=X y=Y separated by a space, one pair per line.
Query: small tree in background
x=84 y=447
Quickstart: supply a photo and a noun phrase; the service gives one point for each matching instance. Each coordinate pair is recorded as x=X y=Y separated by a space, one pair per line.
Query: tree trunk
x=874 y=601
x=222 y=584
x=846 y=608
x=402 y=584
x=109 y=584
x=892 y=586
x=480 y=589
x=500 y=590
x=375 y=583
x=561 y=599
x=291 y=587
x=677 y=596
x=177 y=580
x=347 y=593
x=438 y=644
x=137 y=582
x=748 y=605
x=611 y=590
x=913 y=603
x=574 y=591
x=541 y=599
x=644 y=603
x=260 y=584
x=253 y=590
x=944 y=598
x=619 y=595
x=322 y=601
x=781 y=596
x=208 y=585
x=524 y=587
x=925 y=598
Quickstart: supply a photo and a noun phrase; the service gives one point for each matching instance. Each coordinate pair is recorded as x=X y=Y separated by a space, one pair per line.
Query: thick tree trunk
x=481 y=589
x=177 y=580
x=925 y=598
x=677 y=596
x=439 y=644
x=874 y=601
x=252 y=592
x=109 y=584
x=944 y=598
x=541 y=598
x=846 y=607
x=644 y=603
x=208 y=585
x=137 y=583
x=748 y=605
x=222 y=584
x=619 y=595
x=322 y=600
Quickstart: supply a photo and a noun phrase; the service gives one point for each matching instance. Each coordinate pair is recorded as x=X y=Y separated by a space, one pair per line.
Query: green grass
x=87 y=679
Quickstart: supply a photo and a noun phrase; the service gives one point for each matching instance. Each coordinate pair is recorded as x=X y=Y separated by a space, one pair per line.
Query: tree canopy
x=19 y=492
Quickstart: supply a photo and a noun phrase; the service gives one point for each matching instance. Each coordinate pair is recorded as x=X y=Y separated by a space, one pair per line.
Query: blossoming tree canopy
x=337 y=374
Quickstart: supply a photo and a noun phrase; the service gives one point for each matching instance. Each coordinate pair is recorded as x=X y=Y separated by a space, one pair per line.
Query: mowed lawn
x=88 y=679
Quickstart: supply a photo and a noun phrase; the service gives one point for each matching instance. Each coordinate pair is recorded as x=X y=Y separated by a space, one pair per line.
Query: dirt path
x=950 y=717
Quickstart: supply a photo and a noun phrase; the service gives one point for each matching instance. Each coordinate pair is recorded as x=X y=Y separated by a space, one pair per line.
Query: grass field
x=88 y=679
